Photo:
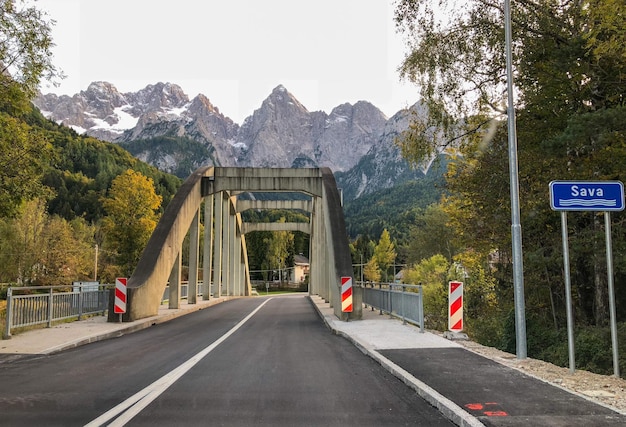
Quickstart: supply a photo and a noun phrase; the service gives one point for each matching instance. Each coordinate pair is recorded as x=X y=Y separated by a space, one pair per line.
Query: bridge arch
x=225 y=252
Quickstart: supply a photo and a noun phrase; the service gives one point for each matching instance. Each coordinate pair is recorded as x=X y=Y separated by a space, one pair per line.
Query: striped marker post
x=346 y=294
x=455 y=306
x=120 y=296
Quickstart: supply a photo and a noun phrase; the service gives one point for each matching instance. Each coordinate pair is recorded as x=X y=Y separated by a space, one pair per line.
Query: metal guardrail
x=396 y=299
x=35 y=305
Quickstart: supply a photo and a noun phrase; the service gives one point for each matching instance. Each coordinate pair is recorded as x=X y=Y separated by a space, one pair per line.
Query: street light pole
x=516 y=228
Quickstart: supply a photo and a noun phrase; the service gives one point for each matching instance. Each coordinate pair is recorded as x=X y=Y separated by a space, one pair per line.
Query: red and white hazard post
x=455 y=306
x=119 y=306
x=346 y=294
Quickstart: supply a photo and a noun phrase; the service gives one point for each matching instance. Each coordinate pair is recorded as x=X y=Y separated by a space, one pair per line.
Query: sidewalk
x=73 y=334
x=467 y=388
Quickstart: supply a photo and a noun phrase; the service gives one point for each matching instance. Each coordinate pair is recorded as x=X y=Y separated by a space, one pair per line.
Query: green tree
x=432 y=274
x=431 y=235
x=131 y=205
x=23 y=158
x=25 y=50
x=385 y=252
x=570 y=85
x=25 y=59
x=457 y=59
x=280 y=249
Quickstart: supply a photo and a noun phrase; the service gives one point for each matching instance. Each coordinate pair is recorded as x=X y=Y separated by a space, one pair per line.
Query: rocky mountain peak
x=160 y=96
x=281 y=133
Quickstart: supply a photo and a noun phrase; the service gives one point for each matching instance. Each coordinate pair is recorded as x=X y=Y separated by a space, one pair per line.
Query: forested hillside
x=54 y=212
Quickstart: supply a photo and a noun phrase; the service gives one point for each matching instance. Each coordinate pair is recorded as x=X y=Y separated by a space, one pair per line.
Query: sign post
x=455 y=312
x=119 y=306
x=603 y=196
x=455 y=306
x=346 y=294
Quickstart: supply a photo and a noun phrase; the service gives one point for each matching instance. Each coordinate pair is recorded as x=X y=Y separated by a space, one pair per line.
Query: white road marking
x=132 y=406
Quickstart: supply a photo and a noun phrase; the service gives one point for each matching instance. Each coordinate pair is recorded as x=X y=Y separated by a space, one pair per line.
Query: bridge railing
x=184 y=291
x=36 y=305
x=396 y=299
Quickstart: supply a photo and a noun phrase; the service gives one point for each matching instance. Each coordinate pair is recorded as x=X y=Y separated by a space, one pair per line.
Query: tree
x=24 y=238
x=570 y=83
x=23 y=156
x=25 y=50
x=131 y=205
x=25 y=58
x=385 y=253
x=372 y=270
x=280 y=248
x=567 y=58
x=431 y=235
x=432 y=274
x=41 y=249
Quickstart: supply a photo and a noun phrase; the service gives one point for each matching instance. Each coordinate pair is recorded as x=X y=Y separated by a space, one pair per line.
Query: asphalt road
x=245 y=362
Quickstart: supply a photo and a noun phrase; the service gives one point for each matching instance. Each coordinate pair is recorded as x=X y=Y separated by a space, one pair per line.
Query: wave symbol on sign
x=592 y=202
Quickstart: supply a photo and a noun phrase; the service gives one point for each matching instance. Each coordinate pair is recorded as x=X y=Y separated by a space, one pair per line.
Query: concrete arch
x=224 y=244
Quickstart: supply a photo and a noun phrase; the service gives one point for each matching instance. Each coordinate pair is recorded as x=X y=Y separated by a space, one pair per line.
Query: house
x=301 y=268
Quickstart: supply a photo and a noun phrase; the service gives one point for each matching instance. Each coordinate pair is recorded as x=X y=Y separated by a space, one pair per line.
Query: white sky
x=325 y=52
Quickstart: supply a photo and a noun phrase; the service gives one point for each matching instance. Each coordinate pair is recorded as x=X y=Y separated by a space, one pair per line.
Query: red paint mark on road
x=496 y=414
x=488 y=412
x=474 y=406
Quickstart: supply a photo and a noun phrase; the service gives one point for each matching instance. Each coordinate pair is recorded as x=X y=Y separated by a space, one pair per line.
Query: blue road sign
x=586 y=195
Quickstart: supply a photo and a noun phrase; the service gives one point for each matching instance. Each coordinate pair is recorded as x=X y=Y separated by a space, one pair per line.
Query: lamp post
x=516 y=228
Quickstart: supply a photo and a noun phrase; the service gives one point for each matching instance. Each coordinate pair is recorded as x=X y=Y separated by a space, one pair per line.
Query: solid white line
x=137 y=402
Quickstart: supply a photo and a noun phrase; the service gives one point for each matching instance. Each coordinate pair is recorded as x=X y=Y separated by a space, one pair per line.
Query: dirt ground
x=606 y=390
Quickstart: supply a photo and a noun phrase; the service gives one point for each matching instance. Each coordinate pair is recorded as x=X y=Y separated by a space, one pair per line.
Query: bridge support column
x=237 y=264
x=217 y=256
x=207 y=258
x=194 y=258
x=174 y=297
x=225 y=247
x=232 y=252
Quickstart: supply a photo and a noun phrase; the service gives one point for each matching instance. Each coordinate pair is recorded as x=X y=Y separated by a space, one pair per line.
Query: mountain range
x=162 y=126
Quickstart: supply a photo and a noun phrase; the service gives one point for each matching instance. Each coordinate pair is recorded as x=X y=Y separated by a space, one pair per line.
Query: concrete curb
x=449 y=409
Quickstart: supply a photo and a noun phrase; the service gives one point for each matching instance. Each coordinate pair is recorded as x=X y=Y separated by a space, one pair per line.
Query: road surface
x=256 y=361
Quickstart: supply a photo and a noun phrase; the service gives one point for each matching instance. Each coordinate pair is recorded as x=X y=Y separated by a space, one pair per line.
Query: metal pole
x=50 y=308
x=516 y=228
x=568 y=293
x=95 y=267
x=609 y=271
x=7 y=331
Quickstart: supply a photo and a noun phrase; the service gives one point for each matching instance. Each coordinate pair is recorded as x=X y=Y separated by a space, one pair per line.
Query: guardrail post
x=420 y=309
x=402 y=305
x=7 y=326
x=80 y=301
x=50 y=309
x=390 y=300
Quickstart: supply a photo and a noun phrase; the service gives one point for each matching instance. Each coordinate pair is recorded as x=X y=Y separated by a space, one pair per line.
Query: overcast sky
x=325 y=52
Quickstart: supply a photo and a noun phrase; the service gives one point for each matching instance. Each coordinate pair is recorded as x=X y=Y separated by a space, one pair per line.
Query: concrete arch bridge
x=219 y=192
